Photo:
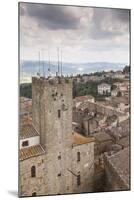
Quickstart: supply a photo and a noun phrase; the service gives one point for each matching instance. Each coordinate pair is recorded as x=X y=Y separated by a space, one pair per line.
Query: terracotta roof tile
x=30 y=152
x=27 y=131
x=79 y=139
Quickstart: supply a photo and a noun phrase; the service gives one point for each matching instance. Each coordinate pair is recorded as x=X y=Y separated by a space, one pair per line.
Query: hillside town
x=72 y=143
x=108 y=121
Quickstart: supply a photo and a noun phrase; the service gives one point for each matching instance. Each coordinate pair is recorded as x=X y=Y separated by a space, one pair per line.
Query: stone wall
x=55 y=96
x=55 y=172
x=99 y=108
x=89 y=126
x=36 y=96
x=101 y=147
x=113 y=181
x=27 y=184
x=84 y=167
x=56 y=168
x=58 y=179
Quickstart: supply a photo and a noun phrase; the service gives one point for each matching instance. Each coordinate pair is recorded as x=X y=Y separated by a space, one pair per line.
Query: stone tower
x=52 y=117
x=52 y=111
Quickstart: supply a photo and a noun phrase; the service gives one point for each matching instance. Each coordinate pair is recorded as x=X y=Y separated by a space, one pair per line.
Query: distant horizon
x=25 y=76
x=82 y=62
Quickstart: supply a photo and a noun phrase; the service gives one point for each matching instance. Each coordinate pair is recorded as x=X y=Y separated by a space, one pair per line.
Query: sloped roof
x=102 y=137
x=124 y=141
x=120 y=163
x=104 y=85
x=79 y=139
x=27 y=131
x=83 y=98
x=31 y=151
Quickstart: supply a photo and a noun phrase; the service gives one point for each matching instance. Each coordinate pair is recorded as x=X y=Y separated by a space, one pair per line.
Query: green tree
x=126 y=69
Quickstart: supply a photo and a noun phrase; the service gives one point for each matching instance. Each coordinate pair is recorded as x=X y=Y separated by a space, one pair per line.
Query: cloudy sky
x=83 y=34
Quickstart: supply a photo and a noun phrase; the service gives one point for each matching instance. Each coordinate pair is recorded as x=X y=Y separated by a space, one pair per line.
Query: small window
x=59 y=157
x=78 y=156
x=67 y=187
x=34 y=194
x=78 y=180
x=59 y=114
x=25 y=143
x=33 y=171
x=59 y=174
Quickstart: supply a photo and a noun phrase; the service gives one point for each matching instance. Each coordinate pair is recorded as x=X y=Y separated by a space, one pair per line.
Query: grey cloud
x=22 y=11
x=51 y=16
x=85 y=32
x=109 y=23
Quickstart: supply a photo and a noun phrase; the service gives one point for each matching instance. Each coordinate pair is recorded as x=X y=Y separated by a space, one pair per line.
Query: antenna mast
x=49 y=62
x=43 y=63
x=61 y=62
x=58 y=61
x=39 y=63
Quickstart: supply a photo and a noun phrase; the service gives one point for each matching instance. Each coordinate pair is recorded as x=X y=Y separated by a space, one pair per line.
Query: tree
x=126 y=69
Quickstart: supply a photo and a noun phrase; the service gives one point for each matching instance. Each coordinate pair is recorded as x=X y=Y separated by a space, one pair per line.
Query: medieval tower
x=66 y=163
x=52 y=112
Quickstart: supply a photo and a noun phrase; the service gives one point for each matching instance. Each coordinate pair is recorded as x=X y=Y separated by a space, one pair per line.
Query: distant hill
x=30 y=68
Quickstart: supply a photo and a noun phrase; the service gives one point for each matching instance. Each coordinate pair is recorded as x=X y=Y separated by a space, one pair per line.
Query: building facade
x=54 y=159
x=117 y=171
x=104 y=88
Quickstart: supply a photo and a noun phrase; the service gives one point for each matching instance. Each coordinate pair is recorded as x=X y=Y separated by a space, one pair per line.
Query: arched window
x=33 y=171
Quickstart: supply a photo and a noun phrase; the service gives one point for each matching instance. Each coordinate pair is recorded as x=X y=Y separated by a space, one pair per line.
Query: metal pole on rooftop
x=61 y=62
x=43 y=63
x=58 y=61
x=39 y=63
x=49 y=61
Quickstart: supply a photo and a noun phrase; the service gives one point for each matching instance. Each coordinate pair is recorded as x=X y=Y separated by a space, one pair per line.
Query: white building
x=104 y=88
x=114 y=93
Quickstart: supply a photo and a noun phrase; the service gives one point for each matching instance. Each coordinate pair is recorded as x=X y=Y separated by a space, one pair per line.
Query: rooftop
x=104 y=85
x=120 y=163
x=79 y=139
x=111 y=118
x=25 y=119
x=121 y=131
x=31 y=152
x=118 y=100
x=124 y=142
x=25 y=105
x=51 y=80
x=102 y=137
x=83 y=98
x=83 y=105
x=27 y=131
x=24 y=99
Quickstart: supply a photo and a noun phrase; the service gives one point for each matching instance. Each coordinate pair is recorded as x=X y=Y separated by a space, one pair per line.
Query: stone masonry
x=63 y=168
